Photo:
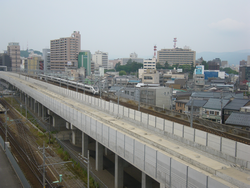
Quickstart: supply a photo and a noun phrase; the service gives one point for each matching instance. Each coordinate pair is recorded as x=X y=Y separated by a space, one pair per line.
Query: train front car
x=95 y=90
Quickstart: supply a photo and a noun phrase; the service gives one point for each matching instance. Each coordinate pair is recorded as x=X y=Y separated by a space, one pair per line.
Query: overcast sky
x=121 y=27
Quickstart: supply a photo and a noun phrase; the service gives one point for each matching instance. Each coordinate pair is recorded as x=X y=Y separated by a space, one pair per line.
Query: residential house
x=240 y=120
x=180 y=105
x=233 y=106
x=212 y=109
x=197 y=107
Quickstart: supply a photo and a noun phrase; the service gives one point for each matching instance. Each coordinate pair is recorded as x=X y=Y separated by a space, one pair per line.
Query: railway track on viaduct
x=207 y=128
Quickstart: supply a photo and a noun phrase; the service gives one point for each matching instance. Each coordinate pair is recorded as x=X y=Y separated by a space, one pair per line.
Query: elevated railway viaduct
x=161 y=153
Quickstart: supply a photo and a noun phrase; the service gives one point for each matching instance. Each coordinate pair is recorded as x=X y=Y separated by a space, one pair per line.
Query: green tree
x=109 y=70
x=122 y=72
x=129 y=67
x=205 y=65
x=229 y=70
x=167 y=66
x=159 y=66
x=117 y=65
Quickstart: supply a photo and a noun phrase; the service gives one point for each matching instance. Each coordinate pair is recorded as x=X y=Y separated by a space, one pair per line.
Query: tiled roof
x=226 y=95
x=240 y=119
x=215 y=104
x=197 y=103
x=236 y=104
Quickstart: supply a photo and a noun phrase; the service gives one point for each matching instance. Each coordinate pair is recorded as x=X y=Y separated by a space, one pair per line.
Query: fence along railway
x=219 y=131
x=24 y=147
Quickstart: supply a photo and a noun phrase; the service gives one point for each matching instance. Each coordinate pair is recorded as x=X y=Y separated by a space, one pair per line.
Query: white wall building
x=149 y=63
x=101 y=59
x=132 y=57
x=46 y=59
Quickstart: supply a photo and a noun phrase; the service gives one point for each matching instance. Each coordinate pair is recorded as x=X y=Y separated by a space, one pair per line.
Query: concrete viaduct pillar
x=118 y=172
x=35 y=106
x=146 y=181
x=43 y=112
x=39 y=109
x=85 y=143
x=57 y=121
x=76 y=136
x=99 y=156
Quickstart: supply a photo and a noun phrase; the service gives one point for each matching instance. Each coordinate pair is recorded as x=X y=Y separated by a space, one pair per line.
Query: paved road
x=8 y=178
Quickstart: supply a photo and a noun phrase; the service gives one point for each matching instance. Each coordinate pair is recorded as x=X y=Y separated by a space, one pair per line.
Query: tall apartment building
x=13 y=50
x=176 y=56
x=5 y=60
x=46 y=59
x=33 y=64
x=64 y=51
x=244 y=73
x=84 y=60
x=101 y=59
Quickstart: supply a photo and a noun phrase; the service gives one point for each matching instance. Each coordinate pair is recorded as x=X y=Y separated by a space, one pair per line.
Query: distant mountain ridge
x=231 y=57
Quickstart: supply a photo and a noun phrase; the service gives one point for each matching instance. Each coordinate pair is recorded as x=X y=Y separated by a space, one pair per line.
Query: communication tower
x=155 y=48
x=175 y=40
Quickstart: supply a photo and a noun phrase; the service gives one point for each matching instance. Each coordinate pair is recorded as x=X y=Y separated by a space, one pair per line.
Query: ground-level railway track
x=23 y=146
x=208 y=128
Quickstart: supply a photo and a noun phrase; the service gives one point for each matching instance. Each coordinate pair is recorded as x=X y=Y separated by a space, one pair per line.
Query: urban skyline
x=130 y=26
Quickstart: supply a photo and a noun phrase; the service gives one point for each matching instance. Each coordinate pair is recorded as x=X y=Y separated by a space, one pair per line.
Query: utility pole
x=6 y=130
x=192 y=113
x=86 y=160
x=26 y=106
x=88 y=168
x=171 y=99
x=139 y=99
x=44 y=165
x=99 y=88
x=221 y=101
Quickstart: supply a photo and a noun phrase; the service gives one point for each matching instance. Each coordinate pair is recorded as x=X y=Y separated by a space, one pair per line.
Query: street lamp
x=6 y=125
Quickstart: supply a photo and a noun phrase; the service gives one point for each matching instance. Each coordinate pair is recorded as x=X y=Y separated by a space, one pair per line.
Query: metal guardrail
x=82 y=164
x=15 y=166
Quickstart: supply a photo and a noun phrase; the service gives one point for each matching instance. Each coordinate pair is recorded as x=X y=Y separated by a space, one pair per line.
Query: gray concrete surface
x=8 y=178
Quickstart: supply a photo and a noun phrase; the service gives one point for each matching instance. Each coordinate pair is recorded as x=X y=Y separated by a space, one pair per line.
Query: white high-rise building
x=101 y=59
x=46 y=59
x=149 y=63
x=176 y=56
x=248 y=60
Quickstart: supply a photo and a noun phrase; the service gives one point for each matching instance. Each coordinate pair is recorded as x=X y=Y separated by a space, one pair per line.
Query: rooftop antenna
x=175 y=40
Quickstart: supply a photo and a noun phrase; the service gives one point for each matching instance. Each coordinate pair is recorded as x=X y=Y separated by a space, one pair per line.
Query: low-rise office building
x=151 y=96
